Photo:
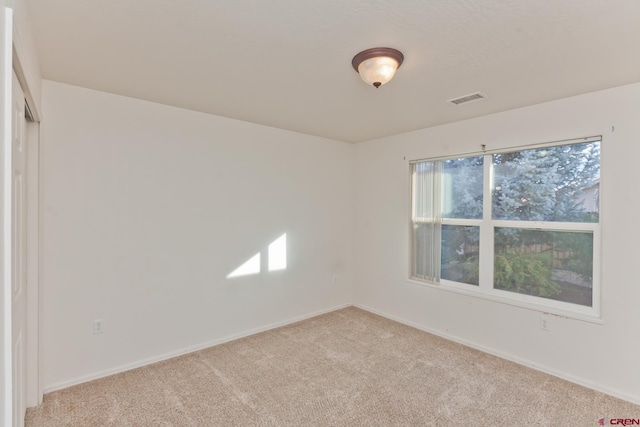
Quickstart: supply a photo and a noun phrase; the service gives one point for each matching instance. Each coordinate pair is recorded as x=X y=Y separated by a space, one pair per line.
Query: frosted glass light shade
x=378 y=70
x=377 y=66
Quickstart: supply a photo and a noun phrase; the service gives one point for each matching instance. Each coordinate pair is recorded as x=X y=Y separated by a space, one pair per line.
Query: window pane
x=462 y=188
x=548 y=184
x=550 y=264
x=460 y=248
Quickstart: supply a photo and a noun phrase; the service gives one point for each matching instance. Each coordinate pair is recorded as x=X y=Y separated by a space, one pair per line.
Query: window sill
x=541 y=308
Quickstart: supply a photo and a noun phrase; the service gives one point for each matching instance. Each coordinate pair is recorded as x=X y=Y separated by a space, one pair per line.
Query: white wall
x=604 y=356
x=147 y=208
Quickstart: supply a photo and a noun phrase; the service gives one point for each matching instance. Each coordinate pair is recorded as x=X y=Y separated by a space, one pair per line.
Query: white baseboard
x=502 y=355
x=172 y=354
x=597 y=387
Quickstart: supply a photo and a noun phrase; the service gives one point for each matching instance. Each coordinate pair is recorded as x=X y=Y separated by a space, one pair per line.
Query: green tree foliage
x=462 y=199
x=459 y=254
x=525 y=273
x=546 y=184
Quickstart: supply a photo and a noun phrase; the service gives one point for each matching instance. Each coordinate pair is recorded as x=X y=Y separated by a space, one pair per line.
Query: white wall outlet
x=98 y=326
x=334 y=278
x=545 y=323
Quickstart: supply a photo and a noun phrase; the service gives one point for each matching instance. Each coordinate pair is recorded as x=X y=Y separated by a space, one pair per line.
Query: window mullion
x=486 y=228
x=437 y=211
x=547 y=225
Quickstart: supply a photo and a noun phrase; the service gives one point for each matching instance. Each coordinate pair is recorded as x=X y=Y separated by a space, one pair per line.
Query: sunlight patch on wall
x=278 y=254
x=252 y=266
x=276 y=259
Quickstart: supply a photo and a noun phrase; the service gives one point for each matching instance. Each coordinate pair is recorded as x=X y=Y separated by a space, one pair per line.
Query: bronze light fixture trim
x=378 y=65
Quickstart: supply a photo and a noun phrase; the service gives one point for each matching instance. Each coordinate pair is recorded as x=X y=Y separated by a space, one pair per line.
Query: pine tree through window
x=522 y=225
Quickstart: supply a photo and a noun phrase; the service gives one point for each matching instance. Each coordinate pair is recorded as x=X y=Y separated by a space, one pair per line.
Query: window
x=515 y=225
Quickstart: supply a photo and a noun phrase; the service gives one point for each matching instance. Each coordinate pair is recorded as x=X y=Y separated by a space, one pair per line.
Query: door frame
x=6 y=75
x=22 y=67
x=34 y=323
x=18 y=55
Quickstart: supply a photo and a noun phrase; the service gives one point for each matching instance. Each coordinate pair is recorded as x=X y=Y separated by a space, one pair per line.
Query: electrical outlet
x=98 y=326
x=334 y=278
x=545 y=323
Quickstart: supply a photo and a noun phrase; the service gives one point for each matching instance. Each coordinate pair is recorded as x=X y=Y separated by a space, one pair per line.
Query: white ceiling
x=287 y=63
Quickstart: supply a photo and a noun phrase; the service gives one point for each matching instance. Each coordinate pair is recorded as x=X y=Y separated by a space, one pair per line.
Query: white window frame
x=487 y=227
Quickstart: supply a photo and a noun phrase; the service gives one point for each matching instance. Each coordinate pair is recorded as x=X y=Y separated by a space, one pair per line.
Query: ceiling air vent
x=467 y=98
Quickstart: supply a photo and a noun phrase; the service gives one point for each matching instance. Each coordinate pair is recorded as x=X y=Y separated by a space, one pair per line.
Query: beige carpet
x=346 y=368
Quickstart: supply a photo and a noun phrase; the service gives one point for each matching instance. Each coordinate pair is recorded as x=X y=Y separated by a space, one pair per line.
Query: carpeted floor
x=345 y=368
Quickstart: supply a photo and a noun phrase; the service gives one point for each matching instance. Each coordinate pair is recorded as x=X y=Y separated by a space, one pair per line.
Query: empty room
x=291 y=213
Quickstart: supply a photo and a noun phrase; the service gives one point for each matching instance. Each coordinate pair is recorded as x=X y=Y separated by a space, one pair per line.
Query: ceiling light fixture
x=378 y=65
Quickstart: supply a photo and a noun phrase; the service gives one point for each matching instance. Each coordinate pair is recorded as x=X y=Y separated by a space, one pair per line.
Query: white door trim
x=14 y=57
x=24 y=64
x=6 y=76
x=19 y=253
x=34 y=385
